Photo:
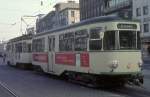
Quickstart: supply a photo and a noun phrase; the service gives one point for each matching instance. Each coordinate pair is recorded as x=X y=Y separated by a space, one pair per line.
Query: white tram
x=103 y=49
x=19 y=51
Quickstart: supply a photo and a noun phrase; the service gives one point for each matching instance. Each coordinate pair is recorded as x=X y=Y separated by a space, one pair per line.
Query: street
x=25 y=83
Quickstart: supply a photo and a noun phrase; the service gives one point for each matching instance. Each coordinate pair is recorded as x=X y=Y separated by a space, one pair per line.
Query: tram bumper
x=124 y=78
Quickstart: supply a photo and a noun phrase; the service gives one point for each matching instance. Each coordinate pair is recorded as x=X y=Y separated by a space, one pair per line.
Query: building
x=67 y=13
x=46 y=22
x=141 y=11
x=64 y=14
x=95 y=8
x=91 y=8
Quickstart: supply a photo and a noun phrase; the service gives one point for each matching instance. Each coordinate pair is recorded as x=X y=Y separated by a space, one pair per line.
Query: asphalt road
x=30 y=84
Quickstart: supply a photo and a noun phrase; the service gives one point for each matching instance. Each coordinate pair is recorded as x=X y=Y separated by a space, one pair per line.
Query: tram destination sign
x=127 y=26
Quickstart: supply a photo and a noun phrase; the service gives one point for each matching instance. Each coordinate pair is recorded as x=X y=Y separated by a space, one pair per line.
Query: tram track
x=5 y=88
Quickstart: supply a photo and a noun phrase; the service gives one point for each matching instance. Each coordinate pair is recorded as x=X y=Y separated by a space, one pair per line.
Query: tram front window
x=109 y=40
x=127 y=40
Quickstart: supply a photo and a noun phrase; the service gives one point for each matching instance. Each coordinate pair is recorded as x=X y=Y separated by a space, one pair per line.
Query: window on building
x=146 y=28
x=72 y=13
x=138 y=12
x=81 y=38
x=145 y=10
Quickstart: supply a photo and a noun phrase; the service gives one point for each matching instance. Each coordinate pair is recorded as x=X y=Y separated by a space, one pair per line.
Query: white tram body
x=103 y=46
x=19 y=51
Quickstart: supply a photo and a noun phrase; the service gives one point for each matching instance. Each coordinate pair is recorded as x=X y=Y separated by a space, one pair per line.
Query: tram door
x=51 y=53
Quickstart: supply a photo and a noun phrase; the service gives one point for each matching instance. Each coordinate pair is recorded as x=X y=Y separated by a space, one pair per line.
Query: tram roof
x=100 y=19
x=23 y=37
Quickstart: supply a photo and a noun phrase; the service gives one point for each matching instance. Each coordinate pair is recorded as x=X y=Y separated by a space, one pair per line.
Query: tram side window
x=29 y=48
x=61 y=43
x=81 y=38
x=66 y=42
x=38 y=45
x=8 y=47
x=24 y=49
x=50 y=42
x=34 y=45
x=95 y=42
x=18 y=48
x=109 y=40
x=13 y=48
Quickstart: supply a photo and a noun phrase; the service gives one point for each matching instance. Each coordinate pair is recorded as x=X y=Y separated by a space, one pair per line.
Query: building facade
x=91 y=8
x=46 y=22
x=95 y=8
x=67 y=13
x=64 y=14
x=141 y=11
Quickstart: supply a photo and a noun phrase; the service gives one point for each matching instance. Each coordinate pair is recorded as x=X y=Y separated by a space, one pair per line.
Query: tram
x=102 y=49
x=19 y=51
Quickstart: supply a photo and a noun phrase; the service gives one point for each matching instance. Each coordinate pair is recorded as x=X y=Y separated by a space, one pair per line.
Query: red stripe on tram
x=65 y=59
x=40 y=57
x=84 y=59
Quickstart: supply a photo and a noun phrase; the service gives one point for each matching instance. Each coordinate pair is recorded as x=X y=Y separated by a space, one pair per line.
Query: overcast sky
x=11 y=12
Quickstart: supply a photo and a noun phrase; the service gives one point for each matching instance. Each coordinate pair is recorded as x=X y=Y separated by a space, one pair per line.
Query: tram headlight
x=115 y=64
x=140 y=63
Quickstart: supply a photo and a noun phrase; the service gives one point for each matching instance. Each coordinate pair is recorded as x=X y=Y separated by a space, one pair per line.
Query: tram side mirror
x=101 y=34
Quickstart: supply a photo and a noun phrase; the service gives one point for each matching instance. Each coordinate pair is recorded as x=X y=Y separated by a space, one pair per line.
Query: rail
x=7 y=89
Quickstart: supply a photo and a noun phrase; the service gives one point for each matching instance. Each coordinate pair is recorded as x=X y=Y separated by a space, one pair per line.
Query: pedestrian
x=4 y=57
x=148 y=50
